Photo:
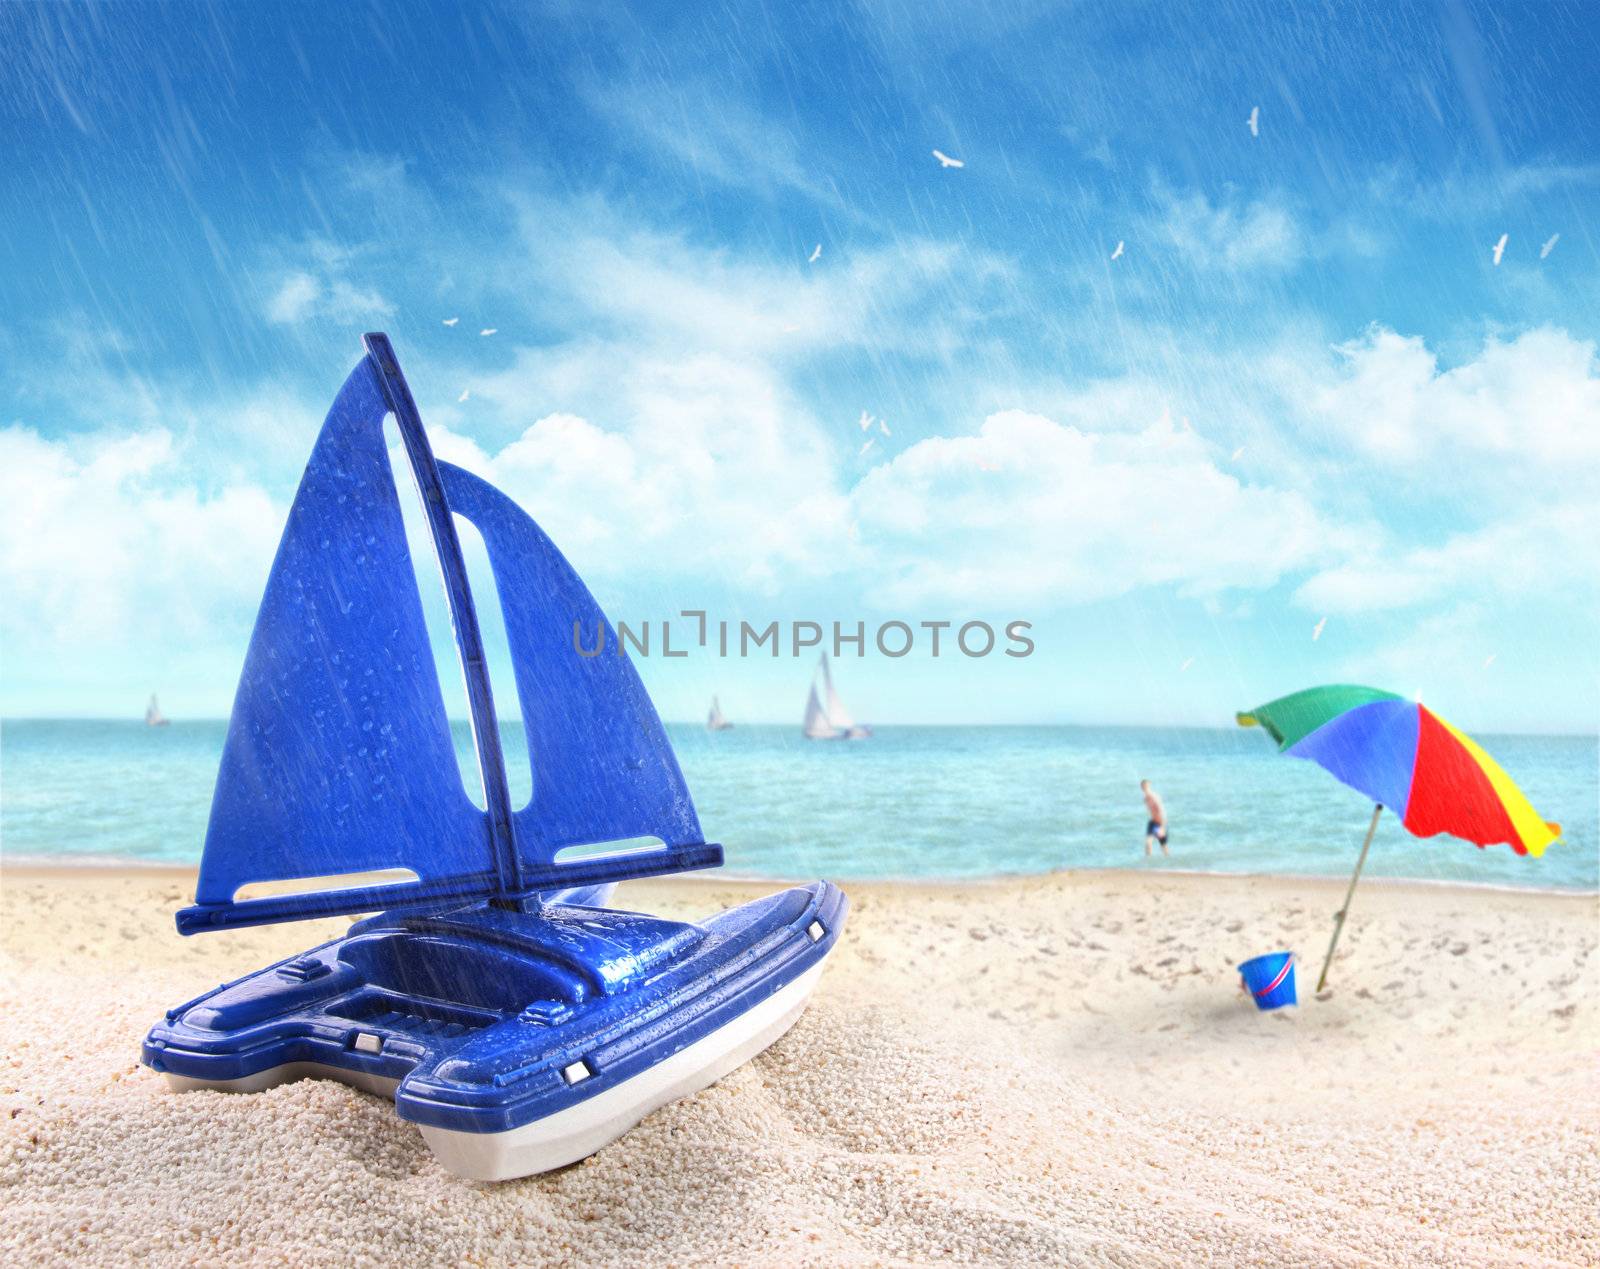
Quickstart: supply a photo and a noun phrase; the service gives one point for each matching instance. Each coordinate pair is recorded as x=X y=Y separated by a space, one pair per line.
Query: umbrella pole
x=1338 y=920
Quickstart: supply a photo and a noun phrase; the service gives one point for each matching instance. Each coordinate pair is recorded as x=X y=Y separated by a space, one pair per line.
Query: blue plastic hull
x=486 y=1021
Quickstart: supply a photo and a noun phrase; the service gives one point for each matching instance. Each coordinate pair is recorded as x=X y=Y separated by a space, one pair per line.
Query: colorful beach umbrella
x=1403 y=756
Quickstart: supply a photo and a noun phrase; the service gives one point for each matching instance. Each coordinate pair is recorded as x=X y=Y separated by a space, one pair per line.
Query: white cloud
x=711 y=130
x=1497 y=449
x=917 y=296
x=1252 y=238
x=108 y=545
x=730 y=480
x=354 y=305
x=294 y=298
x=320 y=288
x=1438 y=656
x=1544 y=555
x=1530 y=402
x=1473 y=192
x=1033 y=510
x=1256 y=235
x=709 y=467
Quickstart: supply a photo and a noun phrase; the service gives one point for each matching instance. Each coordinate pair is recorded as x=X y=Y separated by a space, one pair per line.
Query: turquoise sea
x=913 y=802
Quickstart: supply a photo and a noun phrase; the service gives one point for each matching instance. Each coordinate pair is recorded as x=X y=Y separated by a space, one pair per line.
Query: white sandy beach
x=1054 y=1071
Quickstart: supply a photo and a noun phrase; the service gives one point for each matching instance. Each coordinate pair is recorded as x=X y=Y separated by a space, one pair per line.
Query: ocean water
x=913 y=802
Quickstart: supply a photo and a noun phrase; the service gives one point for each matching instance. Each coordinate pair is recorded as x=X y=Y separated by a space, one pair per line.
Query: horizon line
x=700 y=723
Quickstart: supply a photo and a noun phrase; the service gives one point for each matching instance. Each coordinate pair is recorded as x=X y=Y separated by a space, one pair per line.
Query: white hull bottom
x=580 y=1130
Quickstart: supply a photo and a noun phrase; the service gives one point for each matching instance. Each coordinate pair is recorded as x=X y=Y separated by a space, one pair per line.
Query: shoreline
x=36 y=868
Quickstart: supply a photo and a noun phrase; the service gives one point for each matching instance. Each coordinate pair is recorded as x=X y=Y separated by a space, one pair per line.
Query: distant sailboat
x=816 y=725
x=826 y=717
x=716 y=720
x=153 y=717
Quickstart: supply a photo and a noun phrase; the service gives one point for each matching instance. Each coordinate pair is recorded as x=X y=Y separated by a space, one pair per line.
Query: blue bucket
x=1270 y=980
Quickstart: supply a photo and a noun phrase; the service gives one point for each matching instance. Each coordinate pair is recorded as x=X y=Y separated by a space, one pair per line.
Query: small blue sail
x=603 y=769
x=339 y=758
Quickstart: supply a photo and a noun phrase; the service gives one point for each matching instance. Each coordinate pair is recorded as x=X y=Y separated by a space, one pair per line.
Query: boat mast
x=463 y=616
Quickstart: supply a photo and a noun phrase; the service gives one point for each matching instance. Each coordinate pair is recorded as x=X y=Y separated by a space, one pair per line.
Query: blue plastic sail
x=603 y=769
x=339 y=758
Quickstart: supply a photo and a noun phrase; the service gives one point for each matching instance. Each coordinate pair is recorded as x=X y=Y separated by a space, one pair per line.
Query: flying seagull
x=815 y=255
x=1236 y=453
x=1255 y=121
x=1316 y=633
x=1548 y=246
x=1185 y=665
x=865 y=420
x=866 y=447
x=946 y=161
x=1489 y=661
x=1118 y=252
x=883 y=427
x=465 y=393
x=451 y=321
x=488 y=330
x=1500 y=248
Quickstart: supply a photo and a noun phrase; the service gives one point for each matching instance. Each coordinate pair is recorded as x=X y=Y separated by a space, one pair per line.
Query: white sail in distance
x=826 y=715
x=816 y=725
x=838 y=715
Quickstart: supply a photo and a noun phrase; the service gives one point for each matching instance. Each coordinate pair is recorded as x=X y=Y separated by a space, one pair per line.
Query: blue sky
x=1304 y=392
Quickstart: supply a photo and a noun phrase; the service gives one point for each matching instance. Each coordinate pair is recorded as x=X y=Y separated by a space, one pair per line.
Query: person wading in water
x=1155 y=830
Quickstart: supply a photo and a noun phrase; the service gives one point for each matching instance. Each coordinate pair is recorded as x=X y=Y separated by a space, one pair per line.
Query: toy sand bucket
x=1270 y=980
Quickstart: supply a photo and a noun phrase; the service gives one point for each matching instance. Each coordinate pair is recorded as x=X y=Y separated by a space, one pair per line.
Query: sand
x=1056 y=1071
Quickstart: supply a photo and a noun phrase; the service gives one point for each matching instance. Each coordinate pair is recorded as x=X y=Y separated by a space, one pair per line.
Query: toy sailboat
x=826 y=717
x=510 y=1013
